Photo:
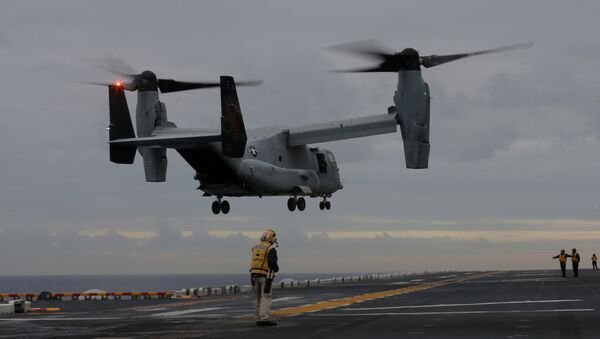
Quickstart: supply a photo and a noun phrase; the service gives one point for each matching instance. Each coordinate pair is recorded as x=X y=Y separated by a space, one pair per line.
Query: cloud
x=515 y=143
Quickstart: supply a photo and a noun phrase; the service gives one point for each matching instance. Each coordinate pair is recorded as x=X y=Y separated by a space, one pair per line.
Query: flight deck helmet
x=269 y=236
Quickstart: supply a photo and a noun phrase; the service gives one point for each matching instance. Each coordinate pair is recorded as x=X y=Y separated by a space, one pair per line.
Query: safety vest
x=562 y=258
x=575 y=258
x=259 y=262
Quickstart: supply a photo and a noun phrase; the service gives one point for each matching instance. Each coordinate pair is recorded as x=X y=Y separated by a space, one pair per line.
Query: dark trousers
x=594 y=265
x=563 y=268
x=575 y=269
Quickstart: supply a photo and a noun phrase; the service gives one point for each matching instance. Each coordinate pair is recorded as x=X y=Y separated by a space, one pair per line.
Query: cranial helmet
x=268 y=236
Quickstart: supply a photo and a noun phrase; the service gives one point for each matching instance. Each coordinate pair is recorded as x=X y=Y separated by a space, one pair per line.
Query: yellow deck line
x=342 y=302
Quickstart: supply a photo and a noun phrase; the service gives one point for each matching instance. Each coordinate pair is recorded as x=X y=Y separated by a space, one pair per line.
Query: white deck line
x=178 y=313
x=455 y=312
x=465 y=304
x=285 y=299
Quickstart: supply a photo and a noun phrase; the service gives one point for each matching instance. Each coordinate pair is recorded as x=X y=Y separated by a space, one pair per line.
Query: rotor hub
x=146 y=81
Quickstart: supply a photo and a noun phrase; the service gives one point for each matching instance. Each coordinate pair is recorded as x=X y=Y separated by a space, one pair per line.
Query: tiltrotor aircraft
x=235 y=162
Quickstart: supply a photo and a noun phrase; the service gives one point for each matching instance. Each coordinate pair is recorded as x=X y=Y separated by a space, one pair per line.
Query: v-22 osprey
x=240 y=162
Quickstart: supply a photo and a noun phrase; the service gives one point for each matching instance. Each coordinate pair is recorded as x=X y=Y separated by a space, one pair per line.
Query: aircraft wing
x=172 y=137
x=342 y=129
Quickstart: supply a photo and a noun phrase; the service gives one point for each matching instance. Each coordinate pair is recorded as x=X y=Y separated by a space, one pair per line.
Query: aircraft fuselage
x=268 y=168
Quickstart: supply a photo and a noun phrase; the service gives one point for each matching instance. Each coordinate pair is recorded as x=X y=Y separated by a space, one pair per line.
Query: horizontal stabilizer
x=178 y=142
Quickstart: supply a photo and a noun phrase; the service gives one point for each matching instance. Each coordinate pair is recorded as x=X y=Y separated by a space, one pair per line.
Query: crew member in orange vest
x=594 y=262
x=562 y=259
x=263 y=266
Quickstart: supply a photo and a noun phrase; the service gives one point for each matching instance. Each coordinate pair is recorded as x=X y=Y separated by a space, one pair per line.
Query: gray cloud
x=514 y=135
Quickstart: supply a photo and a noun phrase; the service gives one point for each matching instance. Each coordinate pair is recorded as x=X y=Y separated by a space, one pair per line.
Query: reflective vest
x=562 y=258
x=594 y=258
x=575 y=258
x=259 y=262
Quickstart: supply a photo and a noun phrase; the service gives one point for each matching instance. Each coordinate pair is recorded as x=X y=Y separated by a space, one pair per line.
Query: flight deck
x=509 y=304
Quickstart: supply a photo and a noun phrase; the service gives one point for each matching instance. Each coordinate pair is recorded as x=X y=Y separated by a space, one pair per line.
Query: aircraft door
x=322 y=162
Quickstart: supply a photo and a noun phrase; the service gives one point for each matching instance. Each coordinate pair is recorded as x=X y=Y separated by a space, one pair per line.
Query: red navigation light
x=118 y=83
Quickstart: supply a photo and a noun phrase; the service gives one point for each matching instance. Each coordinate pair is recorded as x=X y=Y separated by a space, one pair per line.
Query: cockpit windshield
x=331 y=159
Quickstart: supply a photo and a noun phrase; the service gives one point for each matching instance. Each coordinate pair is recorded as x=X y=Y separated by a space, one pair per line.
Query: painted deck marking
x=285 y=299
x=178 y=313
x=336 y=303
x=455 y=312
x=468 y=304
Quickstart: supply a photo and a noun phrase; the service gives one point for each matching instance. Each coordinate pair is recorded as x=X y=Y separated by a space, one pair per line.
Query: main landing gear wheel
x=225 y=206
x=216 y=207
x=220 y=206
x=327 y=205
x=322 y=205
x=291 y=204
x=301 y=204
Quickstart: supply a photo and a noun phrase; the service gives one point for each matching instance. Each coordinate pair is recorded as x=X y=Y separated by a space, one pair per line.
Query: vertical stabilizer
x=120 y=125
x=233 y=131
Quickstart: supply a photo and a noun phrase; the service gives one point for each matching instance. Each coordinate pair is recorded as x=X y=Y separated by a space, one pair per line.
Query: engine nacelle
x=412 y=105
x=151 y=113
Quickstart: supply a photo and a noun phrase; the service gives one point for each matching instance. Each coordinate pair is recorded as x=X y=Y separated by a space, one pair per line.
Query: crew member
x=575 y=261
x=594 y=262
x=562 y=259
x=263 y=266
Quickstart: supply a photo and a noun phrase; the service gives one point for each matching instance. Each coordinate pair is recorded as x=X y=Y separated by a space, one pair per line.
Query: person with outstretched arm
x=562 y=259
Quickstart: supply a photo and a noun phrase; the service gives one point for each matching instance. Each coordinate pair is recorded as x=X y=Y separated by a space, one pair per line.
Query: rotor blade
x=125 y=85
x=360 y=70
x=434 y=60
x=170 y=85
x=369 y=48
x=249 y=83
x=112 y=65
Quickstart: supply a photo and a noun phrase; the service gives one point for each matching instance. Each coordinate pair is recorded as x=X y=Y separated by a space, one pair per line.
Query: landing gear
x=292 y=204
x=325 y=205
x=295 y=202
x=216 y=207
x=220 y=206
x=301 y=204
x=225 y=206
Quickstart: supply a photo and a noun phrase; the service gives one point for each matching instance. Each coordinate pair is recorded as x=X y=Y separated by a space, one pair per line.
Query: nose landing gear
x=220 y=206
x=325 y=205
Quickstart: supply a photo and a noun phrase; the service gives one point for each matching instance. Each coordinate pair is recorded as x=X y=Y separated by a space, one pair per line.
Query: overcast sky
x=515 y=149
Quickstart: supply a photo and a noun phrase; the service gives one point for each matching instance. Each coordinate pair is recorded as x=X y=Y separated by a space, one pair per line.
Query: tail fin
x=233 y=132
x=120 y=126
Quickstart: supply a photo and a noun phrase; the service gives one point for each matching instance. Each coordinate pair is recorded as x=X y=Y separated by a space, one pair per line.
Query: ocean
x=136 y=283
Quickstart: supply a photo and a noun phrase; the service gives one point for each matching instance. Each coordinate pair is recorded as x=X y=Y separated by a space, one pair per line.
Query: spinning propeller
x=409 y=58
x=147 y=80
